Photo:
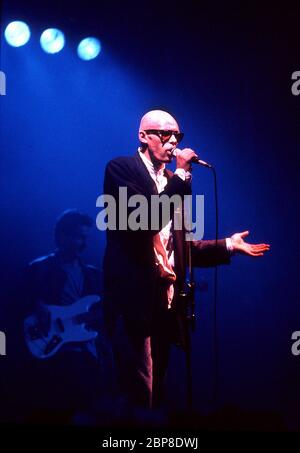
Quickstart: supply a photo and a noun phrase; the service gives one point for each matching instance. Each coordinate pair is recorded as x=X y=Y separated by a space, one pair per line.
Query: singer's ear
x=143 y=137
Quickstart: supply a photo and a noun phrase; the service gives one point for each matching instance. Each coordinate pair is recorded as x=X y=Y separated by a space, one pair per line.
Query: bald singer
x=144 y=271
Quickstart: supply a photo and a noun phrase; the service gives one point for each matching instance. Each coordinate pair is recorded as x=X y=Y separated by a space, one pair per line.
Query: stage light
x=52 y=40
x=89 y=48
x=17 y=33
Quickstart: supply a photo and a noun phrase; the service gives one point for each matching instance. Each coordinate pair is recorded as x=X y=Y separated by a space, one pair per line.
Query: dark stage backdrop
x=224 y=70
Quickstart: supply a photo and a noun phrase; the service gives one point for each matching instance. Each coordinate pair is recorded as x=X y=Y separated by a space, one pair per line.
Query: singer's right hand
x=184 y=158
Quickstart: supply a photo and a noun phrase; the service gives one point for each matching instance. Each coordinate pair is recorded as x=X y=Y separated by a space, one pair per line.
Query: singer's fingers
x=262 y=249
x=188 y=150
x=188 y=154
x=185 y=157
x=253 y=251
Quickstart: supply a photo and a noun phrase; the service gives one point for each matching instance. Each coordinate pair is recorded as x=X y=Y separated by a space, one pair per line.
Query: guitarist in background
x=71 y=381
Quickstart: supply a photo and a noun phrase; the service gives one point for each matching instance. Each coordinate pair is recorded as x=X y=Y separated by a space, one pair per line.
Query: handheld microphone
x=195 y=159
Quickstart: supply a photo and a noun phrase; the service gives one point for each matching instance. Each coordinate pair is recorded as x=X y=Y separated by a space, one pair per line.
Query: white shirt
x=161 y=181
x=165 y=233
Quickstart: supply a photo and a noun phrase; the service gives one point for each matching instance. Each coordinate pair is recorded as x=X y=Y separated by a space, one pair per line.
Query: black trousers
x=142 y=360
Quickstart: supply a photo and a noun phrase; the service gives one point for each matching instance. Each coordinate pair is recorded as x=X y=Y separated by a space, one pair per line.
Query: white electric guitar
x=65 y=324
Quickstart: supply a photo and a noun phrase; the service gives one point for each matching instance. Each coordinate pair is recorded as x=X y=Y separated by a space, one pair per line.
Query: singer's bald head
x=158 y=135
x=158 y=119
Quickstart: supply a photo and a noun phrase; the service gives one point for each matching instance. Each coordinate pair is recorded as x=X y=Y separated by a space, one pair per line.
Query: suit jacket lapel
x=179 y=240
x=144 y=175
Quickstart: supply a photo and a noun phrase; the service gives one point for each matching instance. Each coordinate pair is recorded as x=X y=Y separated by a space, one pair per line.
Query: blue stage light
x=52 y=40
x=17 y=33
x=89 y=48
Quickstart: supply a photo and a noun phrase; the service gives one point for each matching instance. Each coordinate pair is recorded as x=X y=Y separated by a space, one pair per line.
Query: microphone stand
x=188 y=298
x=187 y=295
x=190 y=325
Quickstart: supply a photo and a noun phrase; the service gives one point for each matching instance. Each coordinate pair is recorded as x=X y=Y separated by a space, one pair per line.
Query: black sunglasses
x=165 y=135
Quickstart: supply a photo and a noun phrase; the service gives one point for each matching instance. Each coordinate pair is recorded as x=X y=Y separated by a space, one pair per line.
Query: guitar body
x=65 y=327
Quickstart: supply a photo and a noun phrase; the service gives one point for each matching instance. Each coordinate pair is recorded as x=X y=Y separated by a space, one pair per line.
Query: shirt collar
x=150 y=166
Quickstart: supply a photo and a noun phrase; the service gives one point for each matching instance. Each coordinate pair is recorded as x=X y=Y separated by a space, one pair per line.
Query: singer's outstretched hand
x=240 y=246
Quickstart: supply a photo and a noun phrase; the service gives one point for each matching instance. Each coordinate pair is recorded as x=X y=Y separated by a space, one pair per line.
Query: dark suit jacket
x=130 y=273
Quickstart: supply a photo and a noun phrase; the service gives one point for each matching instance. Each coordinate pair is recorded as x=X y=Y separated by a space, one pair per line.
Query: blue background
x=224 y=71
